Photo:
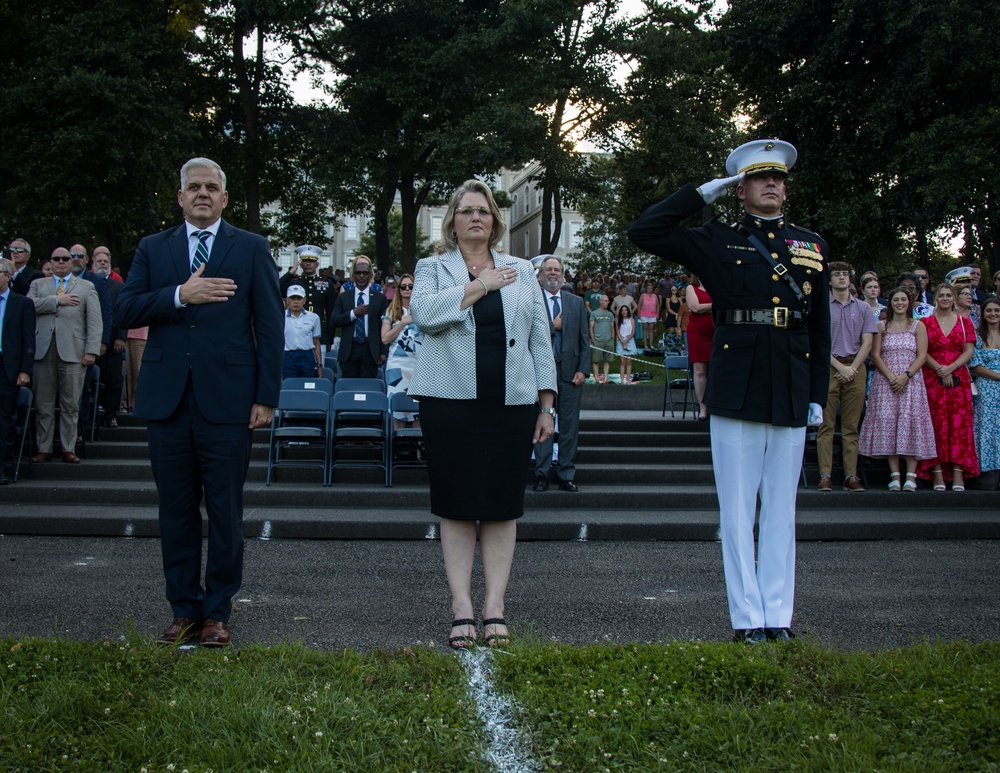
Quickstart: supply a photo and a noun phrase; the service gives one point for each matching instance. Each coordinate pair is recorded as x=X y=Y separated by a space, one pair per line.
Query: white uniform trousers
x=750 y=457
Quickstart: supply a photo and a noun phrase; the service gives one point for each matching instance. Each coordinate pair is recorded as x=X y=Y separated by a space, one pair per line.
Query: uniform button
x=770 y=236
x=776 y=300
x=807 y=355
x=192 y=327
x=774 y=255
x=774 y=277
x=511 y=341
x=809 y=270
x=725 y=346
x=739 y=262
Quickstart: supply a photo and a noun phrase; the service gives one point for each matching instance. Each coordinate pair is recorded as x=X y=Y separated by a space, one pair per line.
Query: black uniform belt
x=780 y=316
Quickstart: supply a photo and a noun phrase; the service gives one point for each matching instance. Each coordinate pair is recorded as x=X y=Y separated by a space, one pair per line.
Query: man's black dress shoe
x=749 y=636
x=541 y=483
x=568 y=485
x=779 y=634
x=4 y=480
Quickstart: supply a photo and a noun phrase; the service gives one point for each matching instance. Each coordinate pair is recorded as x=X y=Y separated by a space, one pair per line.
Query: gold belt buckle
x=781 y=316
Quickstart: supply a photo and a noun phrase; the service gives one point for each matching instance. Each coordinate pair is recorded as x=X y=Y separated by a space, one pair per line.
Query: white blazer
x=446 y=364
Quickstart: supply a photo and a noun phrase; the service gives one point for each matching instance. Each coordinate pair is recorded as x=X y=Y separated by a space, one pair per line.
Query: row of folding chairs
x=346 y=424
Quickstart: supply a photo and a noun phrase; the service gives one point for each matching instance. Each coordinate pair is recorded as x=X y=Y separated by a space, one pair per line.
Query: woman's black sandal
x=496 y=639
x=464 y=641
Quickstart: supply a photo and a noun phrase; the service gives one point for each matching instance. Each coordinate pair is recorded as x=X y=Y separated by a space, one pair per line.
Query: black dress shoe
x=749 y=636
x=541 y=483
x=568 y=485
x=4 y=480
x=779 y=634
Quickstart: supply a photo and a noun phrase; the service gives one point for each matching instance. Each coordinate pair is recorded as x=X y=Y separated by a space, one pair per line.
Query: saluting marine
x=320 y=292
x=769 y=370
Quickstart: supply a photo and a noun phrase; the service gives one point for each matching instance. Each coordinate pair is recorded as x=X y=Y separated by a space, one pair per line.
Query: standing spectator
x=571 y=348
x=649 y=313
x=910 y=283
x=320 y=290
x=700 y=332
x=951 y=340
x=975 y=277
x=24 y=275
x=965 y=305
x=17 y=363
x=358 y=311
x=986 y=405
x=663 y=286
x=602 y=340
x=852 y=328
x=592 y=298
x=67 y=342
x=871 y=290
x=625 y=348
x=45 y=267
x=925 y=293
x=672 y=311
x=112 y=362
x=486 y=381
x=111 y=272
x=136 y=346
x=897 y=421
x=769 y=368
x=303 y=356
x=623 y=299
x=996 y=285
x=404 y=339
x=210 y=376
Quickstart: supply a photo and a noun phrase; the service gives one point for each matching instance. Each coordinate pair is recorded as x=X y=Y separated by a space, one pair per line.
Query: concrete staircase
x=640 y=476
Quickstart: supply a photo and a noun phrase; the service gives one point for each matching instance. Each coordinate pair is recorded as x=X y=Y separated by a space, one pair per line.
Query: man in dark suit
x=24 y=275
x=769 y=370
x=358 y=313
x=17 y=359
x=570 y=327
x=112 y=361
x=211 y=373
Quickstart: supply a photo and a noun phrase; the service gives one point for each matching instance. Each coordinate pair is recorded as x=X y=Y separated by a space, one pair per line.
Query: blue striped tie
x=201 y=253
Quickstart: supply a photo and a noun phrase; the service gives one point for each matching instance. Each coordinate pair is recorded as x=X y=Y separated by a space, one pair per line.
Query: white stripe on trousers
x=749 y=457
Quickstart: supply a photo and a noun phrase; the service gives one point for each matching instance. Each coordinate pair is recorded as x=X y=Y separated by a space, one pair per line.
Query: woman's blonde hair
x=395 y=310
x=448 y=224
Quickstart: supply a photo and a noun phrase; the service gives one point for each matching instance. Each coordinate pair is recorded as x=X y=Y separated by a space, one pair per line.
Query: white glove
x=815 y=417
x=713 y=189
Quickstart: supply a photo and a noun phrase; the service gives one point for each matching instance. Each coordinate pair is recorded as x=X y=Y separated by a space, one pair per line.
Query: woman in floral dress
x=896 y=421
x=986 y=365
x=950 y=342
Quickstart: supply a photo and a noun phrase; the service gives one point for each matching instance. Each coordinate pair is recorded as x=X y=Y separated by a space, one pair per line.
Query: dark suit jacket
x=115 y=288
x=232 y=350
x=341 y=317
x=18 y=336
x=757 y=373
x=104 y=296
x=22 y=282
x=575 y=351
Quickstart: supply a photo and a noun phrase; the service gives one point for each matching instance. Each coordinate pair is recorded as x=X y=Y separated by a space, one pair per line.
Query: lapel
x=220 y=248
x=509 y=294
x=179 y=255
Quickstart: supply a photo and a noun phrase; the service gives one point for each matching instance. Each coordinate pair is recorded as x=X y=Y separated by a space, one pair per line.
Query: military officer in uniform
x=770 y=367
x=320 y=292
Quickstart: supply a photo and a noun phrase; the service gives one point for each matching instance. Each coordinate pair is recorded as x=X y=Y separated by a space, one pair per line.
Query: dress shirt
x=193 y=247
x=301 y=330
x=367 y=292
x=848 y=322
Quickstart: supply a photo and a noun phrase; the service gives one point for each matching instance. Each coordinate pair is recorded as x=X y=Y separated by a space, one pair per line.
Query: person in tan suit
x=67 y=342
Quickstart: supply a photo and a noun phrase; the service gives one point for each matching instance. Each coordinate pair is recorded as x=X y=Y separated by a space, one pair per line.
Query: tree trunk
x=249 y=89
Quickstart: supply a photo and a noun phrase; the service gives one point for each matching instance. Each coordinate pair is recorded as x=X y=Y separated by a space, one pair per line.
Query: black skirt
x=478 y=452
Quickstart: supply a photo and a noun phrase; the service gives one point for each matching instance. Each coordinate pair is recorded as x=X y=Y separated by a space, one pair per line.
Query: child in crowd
x=626 y=343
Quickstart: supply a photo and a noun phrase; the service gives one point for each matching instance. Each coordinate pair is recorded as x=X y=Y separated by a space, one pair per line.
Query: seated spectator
x=626 y=344
x=951 y=340
x=897 y=422
x=602 y=340
x=404 y=340
x=985 y=365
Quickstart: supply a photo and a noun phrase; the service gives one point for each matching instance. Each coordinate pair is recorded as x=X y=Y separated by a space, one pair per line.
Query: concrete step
x=414 y=523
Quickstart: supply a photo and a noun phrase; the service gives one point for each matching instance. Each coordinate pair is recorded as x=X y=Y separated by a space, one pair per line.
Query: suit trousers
x=568 y=408
x=57 y=379
x=192 y=457
x=851 y=397
x=750 y=458
x=9 y=392
x=112 y=367
x=359 y=363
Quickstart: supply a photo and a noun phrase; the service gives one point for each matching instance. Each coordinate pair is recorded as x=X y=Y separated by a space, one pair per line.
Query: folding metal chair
x=404 y=440
x=301 y=422
x=360 y=385
x=361 y=431
x=676 y=362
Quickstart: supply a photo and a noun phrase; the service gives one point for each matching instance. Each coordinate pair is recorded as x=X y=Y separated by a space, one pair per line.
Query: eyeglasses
x=59 y=258
x=470 y=211
x=18 y=250
x=78 y=255
x=406 y=287
x=361 y=272
x=921 y=277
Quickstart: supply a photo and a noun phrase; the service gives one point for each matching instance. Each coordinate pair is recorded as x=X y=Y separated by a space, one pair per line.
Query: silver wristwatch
x=550 y=411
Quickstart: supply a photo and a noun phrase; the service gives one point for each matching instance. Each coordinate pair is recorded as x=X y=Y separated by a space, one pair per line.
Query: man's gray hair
x=25 y=241
x=546 y=258
x=6 y=267
x=203 y=163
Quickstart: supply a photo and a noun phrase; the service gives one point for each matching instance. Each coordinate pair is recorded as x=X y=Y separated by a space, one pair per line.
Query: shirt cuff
x=177 y=298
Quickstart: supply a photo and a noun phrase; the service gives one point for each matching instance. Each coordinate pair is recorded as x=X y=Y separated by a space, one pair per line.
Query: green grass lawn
x=131 y=705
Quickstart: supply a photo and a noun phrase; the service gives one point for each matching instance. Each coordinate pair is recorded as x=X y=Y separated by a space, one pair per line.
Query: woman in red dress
x=950 y=343
x=701 y=329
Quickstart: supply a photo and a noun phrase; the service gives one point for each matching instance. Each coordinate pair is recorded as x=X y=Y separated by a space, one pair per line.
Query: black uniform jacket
x=759 y=373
